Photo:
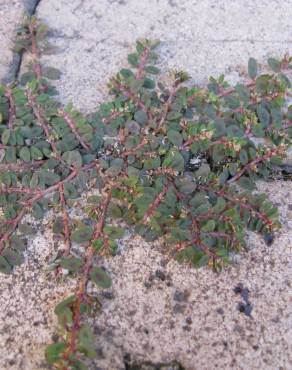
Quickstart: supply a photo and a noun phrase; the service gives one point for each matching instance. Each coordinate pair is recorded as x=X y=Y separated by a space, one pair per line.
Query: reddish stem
x=70 y=122
x=12 y=108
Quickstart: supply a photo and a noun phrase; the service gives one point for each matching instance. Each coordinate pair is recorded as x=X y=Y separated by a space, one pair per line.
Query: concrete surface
x=206 y=38
x=175 y=313
x=11 y=15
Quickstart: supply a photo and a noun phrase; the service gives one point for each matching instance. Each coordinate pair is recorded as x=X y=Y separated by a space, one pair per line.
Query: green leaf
x=86 y=341
x=152 y=163
x=72 y=264
x=141 y=117
x=220 y=205
x=5 y=268
x=173 y=116
x=203 y=170
x=54 y=352
x=35 y=153
x=114 y=232
x=264 y=115
x=24 y=154
x=83 y=234
x=209 y=226
x=152 y=70
x=12 y=257
x=148 y=83
x=73 y=158
x=10 y=155
x=175 y=137
x=243 y=156
x=252 y=68
x=100 y=277
x=65 y=303
x=218 y=153
x=246 y=183
x=48 y=177
x=174 y=160
x=126 y=73
x=27 y=77
x=58 y=226
x=51 y=73
x=133 y=59
x=274 y=64
x=115 y=168
x=5 y=136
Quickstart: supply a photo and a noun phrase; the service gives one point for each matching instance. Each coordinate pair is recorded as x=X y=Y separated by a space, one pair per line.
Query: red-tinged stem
x=35 y=50
x=18 y=190
x=70 y=122
x=81 y=293
x=38 y=112
x=129 y=94
x=67 y=240
x=155 y=204
x=20 y=166
x=201 y=136
x=242 y=204
x=12 y=109
x=167 y=107
x=13 y=225
x=40 y=115
x=134 y=150
x=254 y=162
x=39 y=194
x=143 y=60
x=232 y=90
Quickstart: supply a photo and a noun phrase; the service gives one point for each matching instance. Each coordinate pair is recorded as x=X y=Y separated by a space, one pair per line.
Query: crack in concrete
x=31 y=8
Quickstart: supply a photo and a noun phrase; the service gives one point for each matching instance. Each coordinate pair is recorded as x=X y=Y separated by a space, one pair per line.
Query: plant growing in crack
x=174 y=163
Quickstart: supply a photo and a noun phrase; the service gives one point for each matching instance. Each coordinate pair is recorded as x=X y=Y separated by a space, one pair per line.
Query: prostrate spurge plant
x=175 y=163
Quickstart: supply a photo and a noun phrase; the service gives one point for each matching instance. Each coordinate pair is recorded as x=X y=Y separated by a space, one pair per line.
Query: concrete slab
x=160 y=311
x=11 y=15
x=205 y=38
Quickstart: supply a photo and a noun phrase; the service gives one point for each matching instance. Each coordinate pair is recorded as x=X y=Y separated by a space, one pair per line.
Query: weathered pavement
x=175 y=313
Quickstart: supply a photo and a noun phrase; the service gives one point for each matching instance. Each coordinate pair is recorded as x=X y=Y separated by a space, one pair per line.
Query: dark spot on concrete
x=187 y=328
x=245 y=308
x=275 y=319
x=179 y=308
x=255 y=347
x=181 y=296
x=107 y=295
x=269 y=239
x=220 y=311
x=55 y=337
x=172 y=3
x=238 y=289
x=189 y=320
x=147 y=284
x=238 y=329
x=160 y=275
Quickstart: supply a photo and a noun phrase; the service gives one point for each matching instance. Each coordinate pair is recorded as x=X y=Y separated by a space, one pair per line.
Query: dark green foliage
x=172 y=162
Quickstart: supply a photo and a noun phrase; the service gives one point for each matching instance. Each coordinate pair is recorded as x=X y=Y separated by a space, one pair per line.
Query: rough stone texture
x=148 y=317
x=207 y=37
x=11 y=14
x=160 y=311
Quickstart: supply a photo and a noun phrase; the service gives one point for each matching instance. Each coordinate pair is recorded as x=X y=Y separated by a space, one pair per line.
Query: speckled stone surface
x=204 y=37
x=158 y=310
x=11 y=15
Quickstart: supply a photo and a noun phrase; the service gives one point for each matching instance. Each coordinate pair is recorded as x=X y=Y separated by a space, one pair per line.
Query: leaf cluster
x=175 y=163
